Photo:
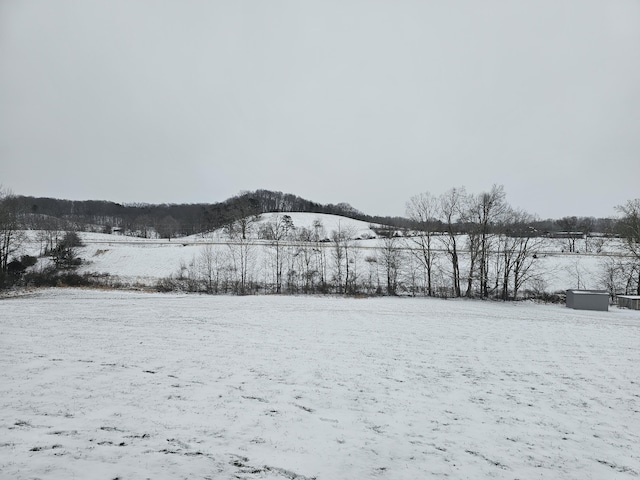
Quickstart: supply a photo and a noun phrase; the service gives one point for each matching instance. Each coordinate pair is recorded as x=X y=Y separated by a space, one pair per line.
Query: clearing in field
x=111 y=385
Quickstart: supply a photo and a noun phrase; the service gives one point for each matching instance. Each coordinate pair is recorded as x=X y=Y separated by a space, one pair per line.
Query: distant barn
x=588 y=300
x=629 y=301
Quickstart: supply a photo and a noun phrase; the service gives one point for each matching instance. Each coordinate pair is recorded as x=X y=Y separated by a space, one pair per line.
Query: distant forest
x=172 y=220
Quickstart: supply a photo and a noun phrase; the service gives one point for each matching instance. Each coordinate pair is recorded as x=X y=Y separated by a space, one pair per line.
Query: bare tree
x=11 y=235
x=391 y=259
x=615 y=276
x=571 y=233
x=342 y=240
x=278 y=232
x=49 y=235
x=143 y=226
x=517 y=247
x=242 y=254
x=587 y=226
x=423 y=210
x=209 y=266
x=318 y=236
x=473 y=249
x=337 y=237
x=451 y=204
x=629 y=228
x=579 y=273
x=373 y=277
x=168 y=227
x=353 y=276
x=305 y=256
x=484 y=211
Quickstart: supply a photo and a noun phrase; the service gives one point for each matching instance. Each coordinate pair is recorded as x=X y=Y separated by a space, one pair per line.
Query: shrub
x=64 y=255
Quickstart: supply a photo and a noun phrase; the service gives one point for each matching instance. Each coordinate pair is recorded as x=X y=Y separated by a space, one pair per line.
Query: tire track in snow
x=594 y=353
x=587 y=391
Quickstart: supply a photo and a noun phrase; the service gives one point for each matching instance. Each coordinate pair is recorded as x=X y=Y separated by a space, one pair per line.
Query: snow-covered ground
x=133 y=260
x=108 y=384
x=326 y=223
x=146 y=262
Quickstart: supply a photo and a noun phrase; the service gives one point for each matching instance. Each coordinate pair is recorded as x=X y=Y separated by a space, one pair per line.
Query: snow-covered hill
x=324 y=224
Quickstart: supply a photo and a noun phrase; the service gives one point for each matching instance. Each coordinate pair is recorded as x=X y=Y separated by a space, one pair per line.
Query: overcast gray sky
x=360 y=101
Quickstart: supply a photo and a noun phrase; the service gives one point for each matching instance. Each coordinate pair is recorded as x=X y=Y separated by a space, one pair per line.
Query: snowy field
x=143 y=262
x=106 y=385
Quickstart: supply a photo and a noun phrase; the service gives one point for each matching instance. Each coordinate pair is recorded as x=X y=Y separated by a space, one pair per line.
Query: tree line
x=163 y=220
x=461 y=244
x=172 y=220
x=451 y=245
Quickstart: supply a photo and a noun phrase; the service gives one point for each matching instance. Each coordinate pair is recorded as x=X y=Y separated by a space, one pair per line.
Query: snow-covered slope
x=327 y=225
x=147 y=260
